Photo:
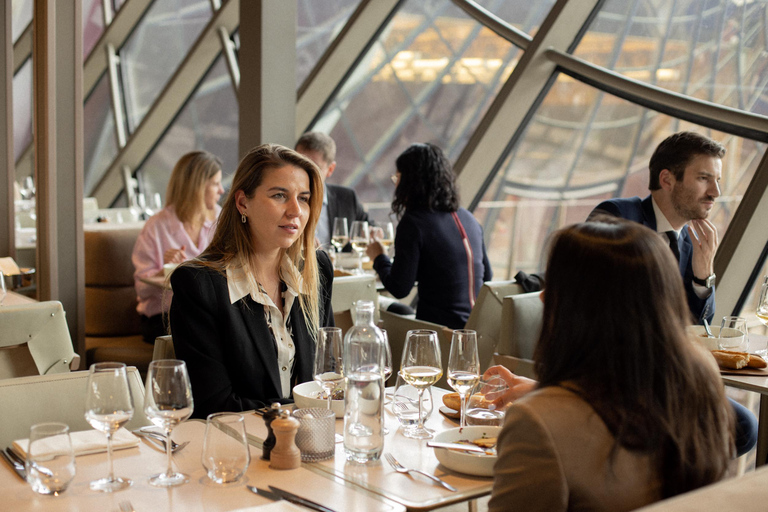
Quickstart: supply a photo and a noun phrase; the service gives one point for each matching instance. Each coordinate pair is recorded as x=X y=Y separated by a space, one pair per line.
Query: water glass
x=225 y=448
x=480 y=410
x=316 y=438
x=405 y=405
x=733 y=334
x=50 y=463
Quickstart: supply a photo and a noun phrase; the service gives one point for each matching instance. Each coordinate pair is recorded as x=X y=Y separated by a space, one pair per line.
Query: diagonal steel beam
x=169 y=103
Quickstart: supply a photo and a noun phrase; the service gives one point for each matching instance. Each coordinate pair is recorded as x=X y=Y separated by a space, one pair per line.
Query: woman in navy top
x=438 y=244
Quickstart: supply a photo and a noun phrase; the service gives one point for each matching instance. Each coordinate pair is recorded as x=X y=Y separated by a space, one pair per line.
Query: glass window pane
x=21 y=12
x=750 y=307
x=584 y=146
x=22 y=109
x=430 y=77
x=156 y=48
x=98 y=135
x=522 y=14
x=317 y=24
x=714 y=50
x=93 y=24
x=208 y=121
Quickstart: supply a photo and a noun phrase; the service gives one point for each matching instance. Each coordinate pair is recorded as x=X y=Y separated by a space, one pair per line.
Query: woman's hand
x=374 y=249
x=518 y=386
x=174 y=255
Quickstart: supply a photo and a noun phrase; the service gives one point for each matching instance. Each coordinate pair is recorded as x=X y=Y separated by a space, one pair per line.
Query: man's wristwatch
x=709 y=282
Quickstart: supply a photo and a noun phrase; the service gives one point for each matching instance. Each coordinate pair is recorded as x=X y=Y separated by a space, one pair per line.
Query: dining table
x=199 y=494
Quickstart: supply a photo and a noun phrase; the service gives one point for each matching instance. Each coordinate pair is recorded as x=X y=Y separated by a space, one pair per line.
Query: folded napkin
x=277 y=506
x=83 y=443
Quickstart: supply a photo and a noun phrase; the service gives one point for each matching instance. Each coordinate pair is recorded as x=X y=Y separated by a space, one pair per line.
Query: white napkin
x=276 y=506
x=84 y=443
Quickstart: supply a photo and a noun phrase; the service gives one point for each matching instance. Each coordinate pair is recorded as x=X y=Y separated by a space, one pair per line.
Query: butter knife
x=458 y=446
x=298 y=500
x=17 y=467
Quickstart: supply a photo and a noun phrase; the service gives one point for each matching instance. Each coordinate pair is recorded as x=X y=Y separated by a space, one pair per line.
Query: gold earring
x=243 y=218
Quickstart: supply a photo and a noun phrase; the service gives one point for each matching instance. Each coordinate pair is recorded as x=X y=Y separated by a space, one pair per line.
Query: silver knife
x=18 y=468
x=458 y=446
x=298 y=500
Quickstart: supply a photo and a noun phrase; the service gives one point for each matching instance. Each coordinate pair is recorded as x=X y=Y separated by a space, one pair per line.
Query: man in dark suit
x=338 y=201
x=685 y=171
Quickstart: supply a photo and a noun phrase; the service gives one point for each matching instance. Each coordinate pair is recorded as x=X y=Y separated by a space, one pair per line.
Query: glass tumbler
x=226 y=455
x=405 y=404
x=733 y=334
x=316 y=436
x=50 y=463
x=480 y=409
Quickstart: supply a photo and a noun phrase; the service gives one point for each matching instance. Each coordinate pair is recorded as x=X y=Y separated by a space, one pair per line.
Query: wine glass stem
x=109 y=457
x=360 y=261
x=463 y=398
x=330 y=397
x=168 y=451
x=421 y=418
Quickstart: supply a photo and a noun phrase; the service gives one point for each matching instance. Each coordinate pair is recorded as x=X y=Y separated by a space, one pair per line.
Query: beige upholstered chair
x=28 y=400
x=112 y=325
x=35 y=340
x=520 y=328
x=347 y=290
x=164 y=348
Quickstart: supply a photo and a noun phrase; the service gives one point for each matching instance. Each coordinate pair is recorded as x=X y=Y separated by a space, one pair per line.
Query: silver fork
x=402 y=469
x=175 y=447
x=125 y=506
x=402 y=406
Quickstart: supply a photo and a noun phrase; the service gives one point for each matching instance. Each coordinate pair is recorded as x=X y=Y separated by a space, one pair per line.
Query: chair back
x=397 y=327
x=35 y=340
x=347 y=290
x=522 y=317
x=164 y=348
x=28 y=400
x=485 y=317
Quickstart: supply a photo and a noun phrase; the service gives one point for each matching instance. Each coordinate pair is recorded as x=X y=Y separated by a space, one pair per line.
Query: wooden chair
x=35 y=340
x=28 y=400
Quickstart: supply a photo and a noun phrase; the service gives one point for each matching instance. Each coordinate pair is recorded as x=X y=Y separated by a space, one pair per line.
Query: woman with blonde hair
x=245 y=314
x=178 y=232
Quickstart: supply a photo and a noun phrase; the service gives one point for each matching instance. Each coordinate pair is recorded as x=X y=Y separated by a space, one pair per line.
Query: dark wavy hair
x=614 y=332
x=426 y=181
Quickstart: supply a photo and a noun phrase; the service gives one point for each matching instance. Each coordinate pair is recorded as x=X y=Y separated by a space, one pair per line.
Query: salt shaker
x=269 y=442
x=285 y=454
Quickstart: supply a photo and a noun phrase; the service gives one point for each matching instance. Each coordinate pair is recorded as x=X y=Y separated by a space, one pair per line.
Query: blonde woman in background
x=245 y=314
x=178 y=232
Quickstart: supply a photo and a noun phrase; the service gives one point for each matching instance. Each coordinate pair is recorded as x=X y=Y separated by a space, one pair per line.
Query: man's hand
x=175 y=255
x=518 y=386
x=704 y=240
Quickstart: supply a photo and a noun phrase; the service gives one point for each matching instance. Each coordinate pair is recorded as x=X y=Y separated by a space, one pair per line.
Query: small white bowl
x=477 y=464
x=309 y=394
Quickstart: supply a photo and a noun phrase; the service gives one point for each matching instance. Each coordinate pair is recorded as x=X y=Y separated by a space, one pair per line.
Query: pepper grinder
x=269 y=442
x=285 y=454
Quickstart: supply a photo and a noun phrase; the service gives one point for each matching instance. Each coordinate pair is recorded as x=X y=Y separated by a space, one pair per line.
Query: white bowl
x=309 y=394
x=465 y=462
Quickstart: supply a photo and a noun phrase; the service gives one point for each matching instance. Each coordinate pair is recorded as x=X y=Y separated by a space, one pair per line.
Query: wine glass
x=108 y=406
x=386 y=366
x=168 y=403
x=463 y=366
x=329 y=371
x=421 y=368
x=3 y=291
x=359 y=238
x=762 y=311
x=388 y=238
x=340 y=235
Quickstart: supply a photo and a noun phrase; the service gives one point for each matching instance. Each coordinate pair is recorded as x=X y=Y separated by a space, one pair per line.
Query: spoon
x=707 y=329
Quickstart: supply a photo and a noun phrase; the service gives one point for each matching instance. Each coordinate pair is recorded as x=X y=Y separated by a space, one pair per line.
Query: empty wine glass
x=463 y=367
x=762 y=312
x=359 y=237
x=108 y=406
x=329 y=371
x=168 y=403
x=421 y=367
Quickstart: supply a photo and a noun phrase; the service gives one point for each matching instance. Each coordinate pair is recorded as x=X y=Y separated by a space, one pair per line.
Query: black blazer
x=641 y=210
x=230 y=353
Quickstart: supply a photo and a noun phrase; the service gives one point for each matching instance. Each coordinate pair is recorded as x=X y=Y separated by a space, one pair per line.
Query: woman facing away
x=245 y=314
x=178 y=232
x=628 y=409
x=437 y=244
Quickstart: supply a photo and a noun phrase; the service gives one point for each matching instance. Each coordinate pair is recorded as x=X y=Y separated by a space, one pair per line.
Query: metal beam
x=341 y=58
x=116 y=33
x=169 y=103
x=494 y=23
x=518 y=98
x=22 y=50
x=7 y=178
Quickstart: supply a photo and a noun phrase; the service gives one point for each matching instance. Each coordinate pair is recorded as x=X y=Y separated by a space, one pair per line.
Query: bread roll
x=731 y=360
x=452 y=401
x=756 y=361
